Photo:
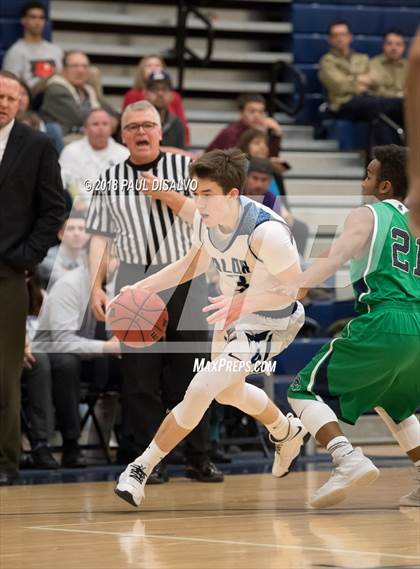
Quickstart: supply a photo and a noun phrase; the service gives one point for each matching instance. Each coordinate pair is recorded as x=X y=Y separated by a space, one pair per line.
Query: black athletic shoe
x=43 y=459
x=206 y=471
x=73 y=458
x=218 y=455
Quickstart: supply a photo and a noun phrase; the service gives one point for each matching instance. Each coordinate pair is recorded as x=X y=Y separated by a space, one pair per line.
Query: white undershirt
x=4 y=137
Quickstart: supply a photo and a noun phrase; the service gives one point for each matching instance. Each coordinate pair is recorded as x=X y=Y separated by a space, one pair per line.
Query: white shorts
x=257 y=338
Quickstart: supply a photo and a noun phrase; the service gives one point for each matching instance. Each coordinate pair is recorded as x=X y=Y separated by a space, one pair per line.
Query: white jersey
x=238 y=265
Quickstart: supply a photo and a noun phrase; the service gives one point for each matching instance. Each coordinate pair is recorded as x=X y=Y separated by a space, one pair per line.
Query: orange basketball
x=138 y=317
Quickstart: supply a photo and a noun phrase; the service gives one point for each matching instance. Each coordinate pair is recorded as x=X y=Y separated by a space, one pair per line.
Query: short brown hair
x=227 y=168
x=9 y=75
x=68 y=54
x=248 y=136
x=243 y=100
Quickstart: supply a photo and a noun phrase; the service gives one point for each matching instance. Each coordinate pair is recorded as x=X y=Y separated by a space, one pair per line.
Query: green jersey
x=390 y=270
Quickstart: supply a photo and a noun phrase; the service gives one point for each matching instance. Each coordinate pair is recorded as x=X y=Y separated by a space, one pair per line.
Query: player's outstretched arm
x=229 y=309
x=350 y=245
x=412 y=120
x=192 y=265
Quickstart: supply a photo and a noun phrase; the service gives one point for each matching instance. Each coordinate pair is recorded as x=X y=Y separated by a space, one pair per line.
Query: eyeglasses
x=77 y=65
x=136 y=126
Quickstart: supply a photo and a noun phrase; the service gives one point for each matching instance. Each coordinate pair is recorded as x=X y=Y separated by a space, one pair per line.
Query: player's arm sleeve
x=272 y=243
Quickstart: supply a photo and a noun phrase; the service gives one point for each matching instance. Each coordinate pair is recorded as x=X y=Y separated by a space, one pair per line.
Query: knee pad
x=197 y=399
x=313 y=414
x=406 y=433
x=247 y=397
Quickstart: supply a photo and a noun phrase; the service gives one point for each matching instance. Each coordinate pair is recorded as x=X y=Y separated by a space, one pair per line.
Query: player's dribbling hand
x=226 y=310
x=98 y=302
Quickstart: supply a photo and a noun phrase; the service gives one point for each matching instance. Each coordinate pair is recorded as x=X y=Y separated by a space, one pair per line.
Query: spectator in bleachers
x=254 y=143
x=351 y=92
x=69 y=97
x=388 y=70
x=66 y=338
x=158 y=91
x=251 y=115
x=33 y=58
x=82 y=161
x=69 y=254
x=257 y=184
x=147 y=65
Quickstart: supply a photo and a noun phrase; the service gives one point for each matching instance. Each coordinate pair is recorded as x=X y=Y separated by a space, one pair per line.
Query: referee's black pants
x=154 y=379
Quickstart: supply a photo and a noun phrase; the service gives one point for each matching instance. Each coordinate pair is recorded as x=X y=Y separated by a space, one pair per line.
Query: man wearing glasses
x=69 y=98
x=151 y=229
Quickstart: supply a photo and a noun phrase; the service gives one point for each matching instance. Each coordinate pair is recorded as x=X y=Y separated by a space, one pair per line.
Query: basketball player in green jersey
x=376 y=361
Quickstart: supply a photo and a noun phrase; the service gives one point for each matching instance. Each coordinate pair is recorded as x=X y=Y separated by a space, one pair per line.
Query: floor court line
x=229 y=542
x=253 y=513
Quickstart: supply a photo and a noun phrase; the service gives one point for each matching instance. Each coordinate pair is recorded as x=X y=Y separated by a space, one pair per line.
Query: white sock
x=279 y=429
x=151 y=457
x=339 y=447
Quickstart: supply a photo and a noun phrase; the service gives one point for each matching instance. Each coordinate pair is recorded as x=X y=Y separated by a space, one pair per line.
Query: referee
x=151 y=229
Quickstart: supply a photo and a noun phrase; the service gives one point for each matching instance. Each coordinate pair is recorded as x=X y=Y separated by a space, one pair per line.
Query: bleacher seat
x=370 y=20
x=310 y=70
x=326 y=312
x=378 y=3
x=10 y=29
x=349 y=135
x=309 y=112
x=310 y=47
x=11 y=9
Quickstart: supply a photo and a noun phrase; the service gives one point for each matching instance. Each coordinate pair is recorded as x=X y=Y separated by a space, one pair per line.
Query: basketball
x=138 y=317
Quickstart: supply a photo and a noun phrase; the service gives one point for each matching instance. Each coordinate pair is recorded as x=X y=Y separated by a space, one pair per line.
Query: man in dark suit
x=31 y=212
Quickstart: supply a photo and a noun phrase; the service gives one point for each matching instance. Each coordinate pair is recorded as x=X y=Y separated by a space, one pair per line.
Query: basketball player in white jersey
x=253 y=251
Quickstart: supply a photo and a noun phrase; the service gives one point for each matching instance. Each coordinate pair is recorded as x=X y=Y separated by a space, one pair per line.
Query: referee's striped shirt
x=145 y=230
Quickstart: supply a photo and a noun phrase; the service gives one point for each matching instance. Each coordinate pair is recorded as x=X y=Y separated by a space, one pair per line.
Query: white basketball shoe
x=287 y=450
x=355 y=469
x=130 y=486
x=413 y=498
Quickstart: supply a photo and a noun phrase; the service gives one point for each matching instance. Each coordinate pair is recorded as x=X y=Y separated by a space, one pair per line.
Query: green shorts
x=375 y=363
